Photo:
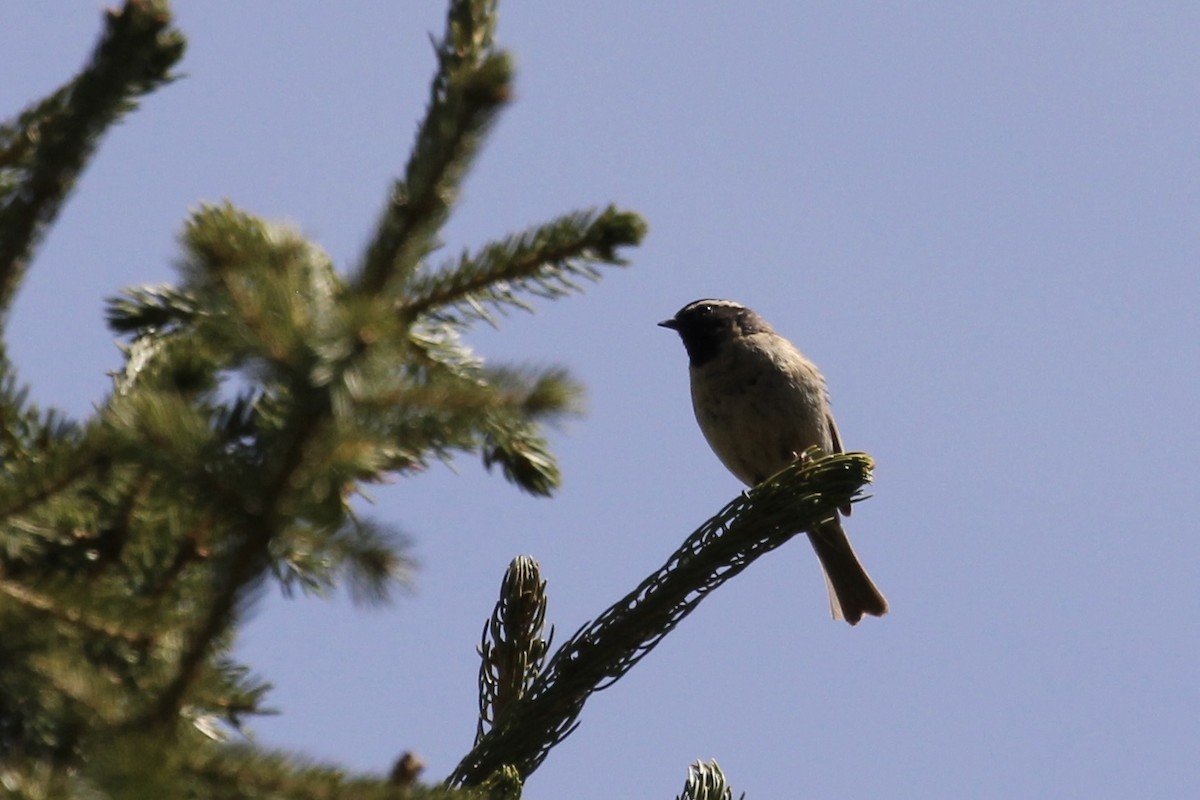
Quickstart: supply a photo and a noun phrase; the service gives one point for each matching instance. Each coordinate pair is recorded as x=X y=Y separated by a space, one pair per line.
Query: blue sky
x=981 y=221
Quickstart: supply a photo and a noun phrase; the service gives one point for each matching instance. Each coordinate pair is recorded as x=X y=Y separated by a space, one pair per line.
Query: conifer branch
x=706 y=781
x=512 y=648
x=522 y=454
x=544 y=261
x=43 y=153
x=472 y=84
x=362 y=555
x=29 y=482
x=157 y=308
x=455 y=404
x=503 y=784
x=242 y=771
x=242 y=569
x=528 y=391
x=256 y=399
x=26 y=432
x=796 y=499
x=71 y=615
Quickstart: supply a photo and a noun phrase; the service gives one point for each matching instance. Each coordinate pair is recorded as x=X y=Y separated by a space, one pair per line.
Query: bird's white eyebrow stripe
x=714 y=302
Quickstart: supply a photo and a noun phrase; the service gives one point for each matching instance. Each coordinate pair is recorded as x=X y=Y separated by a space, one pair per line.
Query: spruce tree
x=258 y=395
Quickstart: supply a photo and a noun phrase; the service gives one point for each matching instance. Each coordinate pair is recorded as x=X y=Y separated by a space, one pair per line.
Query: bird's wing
x=834 y=436
x=836 y=439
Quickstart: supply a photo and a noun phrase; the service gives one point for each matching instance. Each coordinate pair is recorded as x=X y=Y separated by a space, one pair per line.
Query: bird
x=760 y=404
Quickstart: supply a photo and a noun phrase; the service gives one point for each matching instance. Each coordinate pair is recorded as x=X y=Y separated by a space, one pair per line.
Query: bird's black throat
x=702 y=345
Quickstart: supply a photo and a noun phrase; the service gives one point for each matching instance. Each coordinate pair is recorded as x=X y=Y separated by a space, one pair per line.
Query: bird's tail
x=851 y=591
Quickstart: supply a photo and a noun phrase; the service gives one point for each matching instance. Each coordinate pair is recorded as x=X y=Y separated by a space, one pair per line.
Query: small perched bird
x=760 y=404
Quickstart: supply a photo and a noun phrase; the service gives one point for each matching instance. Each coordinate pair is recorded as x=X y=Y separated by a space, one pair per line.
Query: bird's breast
x=760 y=407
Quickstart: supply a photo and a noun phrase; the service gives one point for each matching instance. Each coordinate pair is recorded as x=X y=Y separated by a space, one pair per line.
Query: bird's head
x=704 y=325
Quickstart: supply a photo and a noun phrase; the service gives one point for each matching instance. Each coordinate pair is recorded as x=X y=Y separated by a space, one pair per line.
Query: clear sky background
x=981 y=220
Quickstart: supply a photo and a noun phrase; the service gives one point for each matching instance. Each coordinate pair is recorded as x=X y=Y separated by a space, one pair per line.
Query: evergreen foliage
x=258 y=396
x=706 y=781
x=546 y=711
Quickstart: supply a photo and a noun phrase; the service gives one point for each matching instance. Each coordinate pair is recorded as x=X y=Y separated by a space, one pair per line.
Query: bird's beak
x=669 y=323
